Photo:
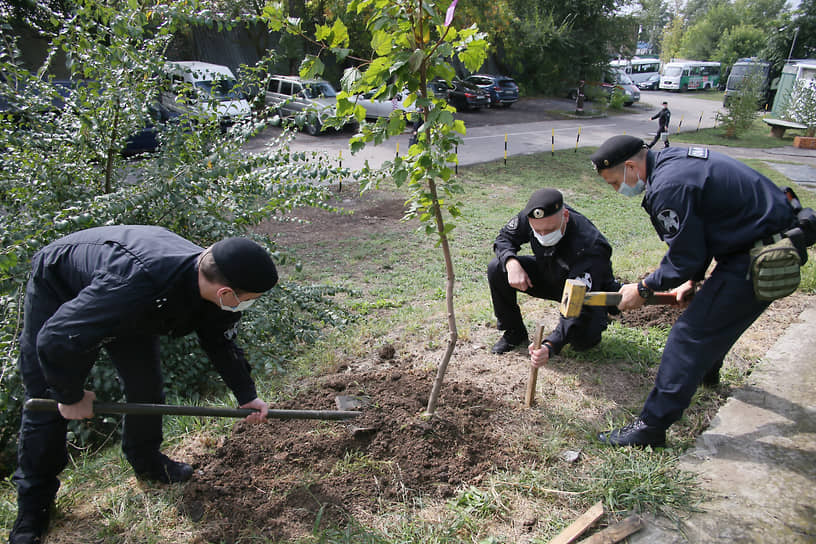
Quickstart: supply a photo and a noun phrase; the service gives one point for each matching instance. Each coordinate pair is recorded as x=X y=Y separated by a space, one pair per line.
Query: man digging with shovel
x=119 y=288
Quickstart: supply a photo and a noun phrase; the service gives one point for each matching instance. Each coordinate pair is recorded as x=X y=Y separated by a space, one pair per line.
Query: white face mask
x=551 y=238
x=627 y=190
x=240 y=307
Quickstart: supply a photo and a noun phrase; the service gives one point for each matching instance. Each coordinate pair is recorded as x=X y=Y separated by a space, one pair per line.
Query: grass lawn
x=757 y=135
x=396 y=284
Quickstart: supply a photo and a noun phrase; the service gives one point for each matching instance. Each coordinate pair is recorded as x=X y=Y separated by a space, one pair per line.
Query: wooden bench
x=779 y=126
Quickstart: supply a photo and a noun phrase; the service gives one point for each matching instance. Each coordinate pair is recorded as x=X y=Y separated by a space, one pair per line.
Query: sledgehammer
x=575 y=297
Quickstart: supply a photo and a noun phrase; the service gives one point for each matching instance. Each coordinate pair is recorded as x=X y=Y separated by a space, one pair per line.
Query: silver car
x=310 y=101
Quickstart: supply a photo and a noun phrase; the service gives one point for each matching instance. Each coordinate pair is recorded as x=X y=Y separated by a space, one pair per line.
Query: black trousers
x=720 y=312
x=582 y=332
x=660 y=130
x=42 y=452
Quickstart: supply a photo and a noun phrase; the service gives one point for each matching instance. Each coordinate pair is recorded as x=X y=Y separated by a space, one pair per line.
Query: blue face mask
x=628 y=190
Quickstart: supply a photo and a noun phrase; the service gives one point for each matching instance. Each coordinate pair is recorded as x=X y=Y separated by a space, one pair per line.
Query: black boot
x=30 y=525
x=163 y=469
x=636 y=433
x=712 y=377
x=509 y=341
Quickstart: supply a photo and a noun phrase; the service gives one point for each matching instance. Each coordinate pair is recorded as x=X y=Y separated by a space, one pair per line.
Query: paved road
x=530 y=126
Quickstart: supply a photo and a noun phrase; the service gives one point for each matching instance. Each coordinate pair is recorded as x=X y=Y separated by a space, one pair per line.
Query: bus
x=638 y=69
x=690 y=74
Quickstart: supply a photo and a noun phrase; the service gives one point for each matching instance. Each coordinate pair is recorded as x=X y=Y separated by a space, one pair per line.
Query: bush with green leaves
x=743 y=107
x=62 y=170
x=801 y=106
x=617 y=99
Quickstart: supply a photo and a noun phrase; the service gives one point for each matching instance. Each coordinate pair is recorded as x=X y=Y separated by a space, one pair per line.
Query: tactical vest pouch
x=774 y=268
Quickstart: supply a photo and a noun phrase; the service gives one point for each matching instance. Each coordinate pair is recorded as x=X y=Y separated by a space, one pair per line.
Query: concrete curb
x=757 y=461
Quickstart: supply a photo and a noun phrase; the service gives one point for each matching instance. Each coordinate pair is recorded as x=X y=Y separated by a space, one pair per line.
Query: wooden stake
x=529 y=398
x=579 y=525
x=616 y=533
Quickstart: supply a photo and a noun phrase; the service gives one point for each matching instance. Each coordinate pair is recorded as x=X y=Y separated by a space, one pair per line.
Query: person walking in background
x=663 y=117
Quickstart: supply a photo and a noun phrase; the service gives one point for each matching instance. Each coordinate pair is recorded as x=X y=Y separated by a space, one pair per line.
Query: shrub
x=801 y=106
x=743 y=108
x=61 y=170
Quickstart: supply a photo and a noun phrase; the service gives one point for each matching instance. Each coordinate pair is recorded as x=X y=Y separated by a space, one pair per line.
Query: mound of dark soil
x=279 y=478
x=650 y=316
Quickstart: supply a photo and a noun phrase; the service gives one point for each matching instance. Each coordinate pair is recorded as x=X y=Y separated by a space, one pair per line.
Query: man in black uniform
x=663 y=117
x=119 y=288
x=565 y=245
x=705 y=206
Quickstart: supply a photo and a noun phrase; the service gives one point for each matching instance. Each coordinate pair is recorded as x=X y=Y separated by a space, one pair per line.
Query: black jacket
x=705 y=206
x=663 y=117
x=112 y=282
x=583 y=253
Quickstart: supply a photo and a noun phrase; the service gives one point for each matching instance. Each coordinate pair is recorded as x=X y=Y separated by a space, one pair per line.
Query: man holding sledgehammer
x=565 y=245
x=119 y=288
x=705 y=206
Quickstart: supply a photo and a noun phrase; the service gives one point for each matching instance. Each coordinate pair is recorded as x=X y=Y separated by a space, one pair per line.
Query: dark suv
x=503 y=90
x=467 y=96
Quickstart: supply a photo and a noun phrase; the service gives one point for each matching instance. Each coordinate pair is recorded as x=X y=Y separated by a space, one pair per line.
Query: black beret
x=544 y=203
x=246 y=265
x=616 y=150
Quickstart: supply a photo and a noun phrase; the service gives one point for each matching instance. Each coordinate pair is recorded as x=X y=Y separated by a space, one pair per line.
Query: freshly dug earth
x=283 y=479
x=277 y=478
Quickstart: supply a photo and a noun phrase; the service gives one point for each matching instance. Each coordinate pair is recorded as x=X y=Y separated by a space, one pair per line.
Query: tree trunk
x=454 y=335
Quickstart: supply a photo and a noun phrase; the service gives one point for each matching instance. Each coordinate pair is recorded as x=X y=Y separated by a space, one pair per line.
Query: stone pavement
x=757 y=461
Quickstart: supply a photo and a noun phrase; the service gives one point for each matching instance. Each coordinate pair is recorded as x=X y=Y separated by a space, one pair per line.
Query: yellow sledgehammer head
x=572 y=300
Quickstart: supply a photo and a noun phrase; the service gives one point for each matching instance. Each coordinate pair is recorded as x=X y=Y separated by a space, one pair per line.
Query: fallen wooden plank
x=616 y=533
x=580 y=525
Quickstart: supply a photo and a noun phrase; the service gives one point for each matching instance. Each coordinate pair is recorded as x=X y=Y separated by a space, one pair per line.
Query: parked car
x=201 y=87
x=146 y=139
x=612 y=81
x=650 y=84
x=467 y=96
x=503 y=90
x=310 y=100
x=382 y=107
x=630 y=90
x=439 y=89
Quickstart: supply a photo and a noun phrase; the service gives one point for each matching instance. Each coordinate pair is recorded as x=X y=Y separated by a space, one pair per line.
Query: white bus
x=689 y=75
x=638 y=69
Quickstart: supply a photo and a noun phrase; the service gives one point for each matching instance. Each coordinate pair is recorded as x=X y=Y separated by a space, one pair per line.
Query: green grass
x=757 y=135
x=397 y=280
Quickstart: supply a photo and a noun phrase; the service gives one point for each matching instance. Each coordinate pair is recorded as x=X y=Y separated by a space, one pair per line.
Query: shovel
x=50 y=405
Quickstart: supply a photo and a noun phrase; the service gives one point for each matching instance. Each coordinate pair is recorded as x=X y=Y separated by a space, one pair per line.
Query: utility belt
x=776 y=260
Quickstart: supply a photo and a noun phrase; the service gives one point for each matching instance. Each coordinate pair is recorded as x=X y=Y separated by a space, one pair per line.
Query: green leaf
x=311 y=67
x=340 y=35
x=381 y=42
x=416 y=58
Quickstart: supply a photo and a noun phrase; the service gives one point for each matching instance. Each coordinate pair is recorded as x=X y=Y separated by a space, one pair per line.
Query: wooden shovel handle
x=529 y=398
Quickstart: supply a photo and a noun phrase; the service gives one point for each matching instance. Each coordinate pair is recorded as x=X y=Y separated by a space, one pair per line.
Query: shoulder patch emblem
x=232 y=332
x=513 y=223
x=670 y=221
x=586 y=279
x=698 y=152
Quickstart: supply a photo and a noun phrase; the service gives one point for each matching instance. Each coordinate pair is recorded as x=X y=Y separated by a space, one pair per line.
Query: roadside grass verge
x=395 y=280
x=757 y=135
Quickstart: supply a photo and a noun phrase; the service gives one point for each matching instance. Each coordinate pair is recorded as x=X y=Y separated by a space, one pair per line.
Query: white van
x=205 y=88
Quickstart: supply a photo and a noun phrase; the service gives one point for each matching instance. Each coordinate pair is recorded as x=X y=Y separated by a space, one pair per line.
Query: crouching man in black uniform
x=565 y=245
x=705 y=206
x=119 y=288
